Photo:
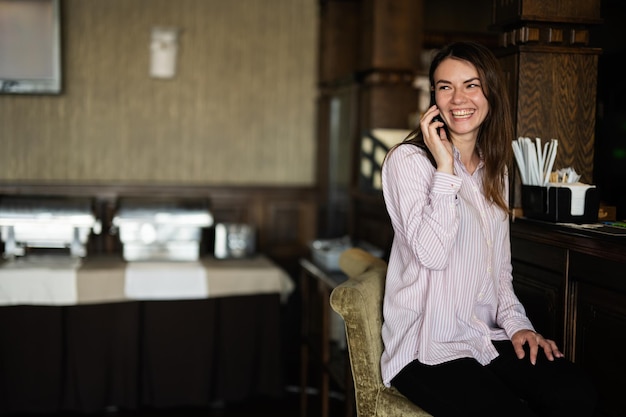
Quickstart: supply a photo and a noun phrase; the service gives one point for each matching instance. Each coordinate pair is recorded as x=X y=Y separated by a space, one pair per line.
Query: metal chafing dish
x=160 y=229
x=46 y=222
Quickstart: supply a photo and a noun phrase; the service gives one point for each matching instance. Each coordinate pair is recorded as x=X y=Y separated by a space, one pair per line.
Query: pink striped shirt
x=449 y=286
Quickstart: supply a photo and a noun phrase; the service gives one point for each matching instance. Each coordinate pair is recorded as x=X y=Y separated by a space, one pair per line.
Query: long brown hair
x=496 y=133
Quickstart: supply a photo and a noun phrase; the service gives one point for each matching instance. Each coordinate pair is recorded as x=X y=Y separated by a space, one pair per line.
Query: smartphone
x=438 y=118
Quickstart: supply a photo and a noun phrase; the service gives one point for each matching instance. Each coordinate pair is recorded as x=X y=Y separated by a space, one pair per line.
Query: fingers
x=534 y=341
x=442 y=132
x=526 y=337
x=429 y=114
x=518 y=346
x=550 y=349
x=533 y=345
x=429 y=126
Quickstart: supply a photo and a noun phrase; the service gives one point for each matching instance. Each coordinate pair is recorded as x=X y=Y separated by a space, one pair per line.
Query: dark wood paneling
x=590 y=267
x=506 y=11
x=391 y=34
x=370 y=221
x=550 y=106
x=549 y=257
x=339 y=35
x=601 y=322
x=387 y=105
x=544 y=302
x=542 y=289
x=552 y=76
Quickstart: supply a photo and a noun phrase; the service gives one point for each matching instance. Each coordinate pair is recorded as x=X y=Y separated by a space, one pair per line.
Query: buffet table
x=104 y=334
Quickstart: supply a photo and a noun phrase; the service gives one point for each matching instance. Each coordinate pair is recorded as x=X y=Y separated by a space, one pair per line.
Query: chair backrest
x=359 y=302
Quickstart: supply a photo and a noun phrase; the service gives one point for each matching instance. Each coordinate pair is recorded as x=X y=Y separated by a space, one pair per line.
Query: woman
x=457 y=341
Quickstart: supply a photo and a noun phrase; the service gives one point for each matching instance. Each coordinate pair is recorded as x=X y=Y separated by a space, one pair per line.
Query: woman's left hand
x=535 y=341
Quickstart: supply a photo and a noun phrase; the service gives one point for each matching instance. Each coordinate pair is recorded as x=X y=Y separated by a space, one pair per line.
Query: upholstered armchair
x=359 y=302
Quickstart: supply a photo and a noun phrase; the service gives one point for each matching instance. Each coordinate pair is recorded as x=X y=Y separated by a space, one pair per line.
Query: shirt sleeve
x=422 y=205
x=511 y=313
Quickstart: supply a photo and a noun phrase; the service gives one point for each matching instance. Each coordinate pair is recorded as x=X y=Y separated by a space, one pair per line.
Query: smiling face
x=460 y=98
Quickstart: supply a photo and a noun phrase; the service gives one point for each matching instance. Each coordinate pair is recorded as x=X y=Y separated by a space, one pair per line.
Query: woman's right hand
x=437 y=141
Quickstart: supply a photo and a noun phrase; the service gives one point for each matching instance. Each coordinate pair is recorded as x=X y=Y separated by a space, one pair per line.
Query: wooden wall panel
x=391 y=34
x=506 y=11
x=558 y=102
x=552 y=72
x=388 y=106
x=339 y=37
x=371 y=222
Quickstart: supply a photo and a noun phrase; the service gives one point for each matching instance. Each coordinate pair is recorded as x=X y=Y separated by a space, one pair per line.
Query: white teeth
x=462 y=113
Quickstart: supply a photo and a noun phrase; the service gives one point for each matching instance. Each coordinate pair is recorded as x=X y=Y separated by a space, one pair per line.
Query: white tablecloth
x=61 y=280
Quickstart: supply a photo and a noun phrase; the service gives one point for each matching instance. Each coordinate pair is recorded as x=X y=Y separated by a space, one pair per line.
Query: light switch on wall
x=164 y=49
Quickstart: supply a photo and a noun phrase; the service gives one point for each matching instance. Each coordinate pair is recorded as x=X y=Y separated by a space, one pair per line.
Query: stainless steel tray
x=161 y=230
x=42 y=222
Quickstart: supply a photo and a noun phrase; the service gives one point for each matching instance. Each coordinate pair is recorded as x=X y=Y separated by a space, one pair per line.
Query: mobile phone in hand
x=438 y=118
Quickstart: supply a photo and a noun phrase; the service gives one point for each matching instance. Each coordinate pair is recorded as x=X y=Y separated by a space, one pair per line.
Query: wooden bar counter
x=572 y=281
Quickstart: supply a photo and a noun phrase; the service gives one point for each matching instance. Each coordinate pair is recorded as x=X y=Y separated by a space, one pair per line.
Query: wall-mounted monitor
x=30 y=47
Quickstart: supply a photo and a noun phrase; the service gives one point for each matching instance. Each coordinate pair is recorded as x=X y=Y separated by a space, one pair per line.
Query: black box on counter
x=562 y=203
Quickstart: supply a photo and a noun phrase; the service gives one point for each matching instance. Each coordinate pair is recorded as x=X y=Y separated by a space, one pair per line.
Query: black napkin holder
x=554 y=204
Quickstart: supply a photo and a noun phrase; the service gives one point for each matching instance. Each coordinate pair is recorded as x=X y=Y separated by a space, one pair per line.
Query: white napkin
x=165 y=281
x=39 y=280
x=579 y=191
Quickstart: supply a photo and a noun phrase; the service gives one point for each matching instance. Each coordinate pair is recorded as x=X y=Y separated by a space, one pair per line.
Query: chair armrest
x=355 y=261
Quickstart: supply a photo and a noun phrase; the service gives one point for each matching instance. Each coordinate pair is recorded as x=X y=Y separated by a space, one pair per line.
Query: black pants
x=508 y=386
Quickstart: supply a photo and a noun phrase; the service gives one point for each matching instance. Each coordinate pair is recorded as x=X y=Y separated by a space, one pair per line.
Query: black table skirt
x=129 y=355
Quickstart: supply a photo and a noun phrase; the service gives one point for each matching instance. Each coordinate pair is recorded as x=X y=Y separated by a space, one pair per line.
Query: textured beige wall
x=241 y=109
